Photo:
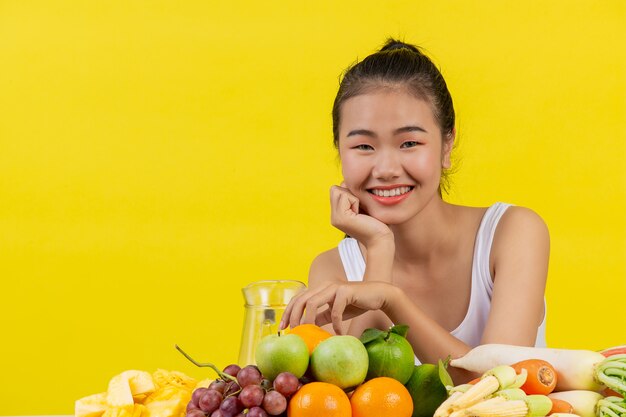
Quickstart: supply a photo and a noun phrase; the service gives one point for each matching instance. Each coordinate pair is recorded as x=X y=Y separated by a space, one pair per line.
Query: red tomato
x=541 y=376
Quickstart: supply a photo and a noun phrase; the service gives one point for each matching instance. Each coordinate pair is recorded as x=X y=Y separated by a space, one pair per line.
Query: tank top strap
x=352 y=259
x=481 y=271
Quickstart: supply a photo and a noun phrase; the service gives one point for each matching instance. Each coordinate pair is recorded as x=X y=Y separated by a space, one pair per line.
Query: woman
x=457 y=276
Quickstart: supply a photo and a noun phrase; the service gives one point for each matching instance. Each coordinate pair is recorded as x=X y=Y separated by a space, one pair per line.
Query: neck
x=429 y=233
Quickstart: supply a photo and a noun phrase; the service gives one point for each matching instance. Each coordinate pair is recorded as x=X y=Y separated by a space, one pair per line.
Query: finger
x=323 y=317
x=284 y=321
x=338 y=307
x=315 y=302
x=297 y=308
x=335 y=194
x=354 y=204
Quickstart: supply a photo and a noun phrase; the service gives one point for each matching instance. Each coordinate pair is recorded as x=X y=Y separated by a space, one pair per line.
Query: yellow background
x=157 y=156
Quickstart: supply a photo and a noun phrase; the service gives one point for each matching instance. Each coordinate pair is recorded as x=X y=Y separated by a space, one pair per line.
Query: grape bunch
x=246 y=394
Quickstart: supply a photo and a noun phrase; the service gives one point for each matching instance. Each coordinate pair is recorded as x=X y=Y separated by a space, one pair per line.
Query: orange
x=319 y=399
x=311 y=334
x=381 y=397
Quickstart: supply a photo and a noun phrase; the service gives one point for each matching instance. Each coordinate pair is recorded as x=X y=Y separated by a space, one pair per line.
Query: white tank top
x=471 y=328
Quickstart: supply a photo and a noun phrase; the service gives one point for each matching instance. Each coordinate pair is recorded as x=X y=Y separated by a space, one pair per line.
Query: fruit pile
x=138 y=393
x=308 y=372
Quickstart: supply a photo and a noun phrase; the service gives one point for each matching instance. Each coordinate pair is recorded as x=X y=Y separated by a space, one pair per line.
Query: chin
x=390 y=219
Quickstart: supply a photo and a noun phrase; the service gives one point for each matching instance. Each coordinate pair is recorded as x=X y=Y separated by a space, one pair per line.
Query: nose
x=387 y=166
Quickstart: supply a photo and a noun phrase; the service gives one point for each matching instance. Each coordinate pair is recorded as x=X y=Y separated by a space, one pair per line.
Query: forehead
x=386 y=110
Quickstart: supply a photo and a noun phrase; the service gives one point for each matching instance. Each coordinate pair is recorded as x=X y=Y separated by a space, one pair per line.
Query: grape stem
x=222 y=375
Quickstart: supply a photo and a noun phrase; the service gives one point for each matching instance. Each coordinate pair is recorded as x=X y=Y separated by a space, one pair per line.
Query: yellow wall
x=157 y=156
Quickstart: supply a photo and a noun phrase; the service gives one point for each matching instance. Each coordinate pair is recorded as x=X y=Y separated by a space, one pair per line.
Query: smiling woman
x=459 y=276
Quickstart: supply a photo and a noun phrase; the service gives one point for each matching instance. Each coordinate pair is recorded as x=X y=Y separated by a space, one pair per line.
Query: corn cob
x=527 y=406
x=444 y=409
x=500 y=377
x=502 y=408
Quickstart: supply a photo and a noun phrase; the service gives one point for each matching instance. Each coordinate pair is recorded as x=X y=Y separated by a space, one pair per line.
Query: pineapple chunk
x=162 y=378
x=91 y=406
x=123 y=411
x=124 y=386
x=140 y=382
x=168 y=401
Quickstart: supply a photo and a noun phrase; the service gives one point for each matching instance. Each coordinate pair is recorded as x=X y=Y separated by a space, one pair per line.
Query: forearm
x=379 y=260
x=430 y=341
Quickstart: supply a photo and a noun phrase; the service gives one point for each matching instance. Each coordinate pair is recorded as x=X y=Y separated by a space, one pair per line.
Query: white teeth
x=391 y=193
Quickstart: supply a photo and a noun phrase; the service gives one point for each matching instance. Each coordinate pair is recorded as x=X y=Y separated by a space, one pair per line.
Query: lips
x=390 y=195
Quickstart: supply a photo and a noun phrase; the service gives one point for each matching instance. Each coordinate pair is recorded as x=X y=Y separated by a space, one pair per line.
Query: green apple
x=340 y=360
x=275 y=354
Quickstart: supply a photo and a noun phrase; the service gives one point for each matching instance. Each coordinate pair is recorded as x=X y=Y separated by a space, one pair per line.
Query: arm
x=519 y=261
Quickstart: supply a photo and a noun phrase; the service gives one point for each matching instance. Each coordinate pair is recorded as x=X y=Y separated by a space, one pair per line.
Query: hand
x=346 y=216
x=344 y=301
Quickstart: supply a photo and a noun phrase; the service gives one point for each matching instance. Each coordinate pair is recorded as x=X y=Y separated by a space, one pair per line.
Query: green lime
x=389 y=353
x=427 y=387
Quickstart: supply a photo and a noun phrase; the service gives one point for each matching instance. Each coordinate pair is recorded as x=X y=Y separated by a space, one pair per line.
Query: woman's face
x=392 y=153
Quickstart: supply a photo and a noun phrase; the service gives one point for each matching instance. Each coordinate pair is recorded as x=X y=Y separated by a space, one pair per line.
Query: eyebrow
x=404 y=129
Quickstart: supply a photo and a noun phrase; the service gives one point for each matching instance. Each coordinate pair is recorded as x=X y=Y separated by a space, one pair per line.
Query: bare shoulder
x=326 y=267
x=522 y=234
x=521 y=222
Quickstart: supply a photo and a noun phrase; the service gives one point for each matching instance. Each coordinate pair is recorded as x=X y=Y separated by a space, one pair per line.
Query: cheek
x=426 y=166
x=352 y=172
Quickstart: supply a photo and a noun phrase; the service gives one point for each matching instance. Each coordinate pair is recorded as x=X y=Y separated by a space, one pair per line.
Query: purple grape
x=251 y=396
x=210 y=401
x=232 y=370
x=218 y=385
x=274 y=403
x=217 y=413
x=286 y=383
x=249 y=375
x=195 y=413
x=231 y=406
x=256 y=412
x=197 y=394
x=191 y=406
x=231 y=388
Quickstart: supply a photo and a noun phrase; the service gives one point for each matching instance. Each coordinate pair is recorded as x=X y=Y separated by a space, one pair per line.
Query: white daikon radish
x=583 y=402
x=576 y=369
x=592 y=404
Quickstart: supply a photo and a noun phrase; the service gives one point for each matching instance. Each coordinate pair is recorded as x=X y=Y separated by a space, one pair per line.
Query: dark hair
x=398 y=64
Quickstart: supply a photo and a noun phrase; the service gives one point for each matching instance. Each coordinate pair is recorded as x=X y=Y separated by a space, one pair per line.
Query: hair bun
x=393 y=44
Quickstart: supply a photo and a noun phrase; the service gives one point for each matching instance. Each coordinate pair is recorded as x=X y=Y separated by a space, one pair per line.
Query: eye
x=409 y=144
x=363 y=147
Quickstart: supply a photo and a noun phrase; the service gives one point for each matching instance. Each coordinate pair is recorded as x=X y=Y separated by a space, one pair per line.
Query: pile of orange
x=378 y=397
x=311 y=334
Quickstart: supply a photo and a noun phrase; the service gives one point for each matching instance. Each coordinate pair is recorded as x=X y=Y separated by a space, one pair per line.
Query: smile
x=390 y=193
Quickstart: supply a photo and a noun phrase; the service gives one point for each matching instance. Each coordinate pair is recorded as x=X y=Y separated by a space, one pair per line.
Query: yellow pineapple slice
x=162 y=378
x=120 y=411
x=119 y=393
x=168 y=401
x=140 y=382
x=91 y=406
x=124 y=386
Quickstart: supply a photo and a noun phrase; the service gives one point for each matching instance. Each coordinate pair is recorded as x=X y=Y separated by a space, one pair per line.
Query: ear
x=448 y=143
